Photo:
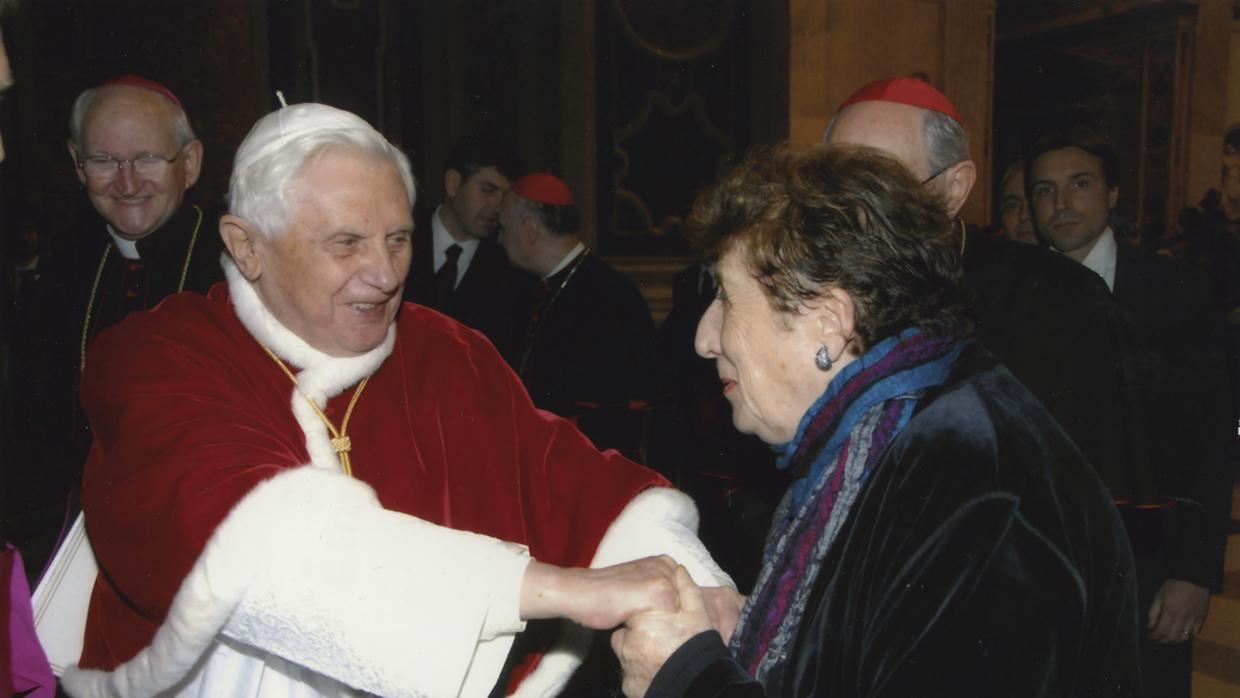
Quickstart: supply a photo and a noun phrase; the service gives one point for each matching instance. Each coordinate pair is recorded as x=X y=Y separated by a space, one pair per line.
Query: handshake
x=653 y=602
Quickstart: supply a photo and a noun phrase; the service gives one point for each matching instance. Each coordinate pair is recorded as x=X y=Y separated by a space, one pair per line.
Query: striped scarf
x=837 y=443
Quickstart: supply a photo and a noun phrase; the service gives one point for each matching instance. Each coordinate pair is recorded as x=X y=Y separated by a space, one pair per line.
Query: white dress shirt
x=566 y=260
x=441 y=240
x=1101 y=259
x=128 y=248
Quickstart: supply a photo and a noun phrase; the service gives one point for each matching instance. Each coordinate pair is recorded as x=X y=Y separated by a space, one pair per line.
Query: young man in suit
x=1175 y=400
x=458 y=268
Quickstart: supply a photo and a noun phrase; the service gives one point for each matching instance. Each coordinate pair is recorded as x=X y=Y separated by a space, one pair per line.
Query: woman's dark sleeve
x=703 y=668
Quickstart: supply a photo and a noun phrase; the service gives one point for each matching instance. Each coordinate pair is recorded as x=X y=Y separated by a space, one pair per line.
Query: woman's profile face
x=765 y=358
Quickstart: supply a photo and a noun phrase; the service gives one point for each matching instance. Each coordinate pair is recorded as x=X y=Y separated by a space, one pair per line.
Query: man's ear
x=1112 y=198
x=836 y=316
x=75 y=155
x=193 y=161
x=958 y=182
x=242 y=240
x=451 y=183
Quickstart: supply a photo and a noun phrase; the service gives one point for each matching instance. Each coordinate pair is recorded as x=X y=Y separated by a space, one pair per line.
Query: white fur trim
x=310 y=568
x=322 y=376
x=659 y=521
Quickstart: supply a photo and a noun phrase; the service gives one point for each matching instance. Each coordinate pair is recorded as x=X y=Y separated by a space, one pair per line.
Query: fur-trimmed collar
x=321 y=378
x=321 y=373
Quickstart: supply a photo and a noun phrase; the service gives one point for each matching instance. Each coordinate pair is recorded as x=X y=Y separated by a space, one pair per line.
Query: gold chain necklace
x=103 y=261
x=340 y=437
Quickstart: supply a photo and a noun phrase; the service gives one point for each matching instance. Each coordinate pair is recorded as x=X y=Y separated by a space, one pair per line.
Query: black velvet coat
x=983 y=558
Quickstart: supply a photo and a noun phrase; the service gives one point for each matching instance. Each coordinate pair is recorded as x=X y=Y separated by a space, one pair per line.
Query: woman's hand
x=723 y=605
x=647 y=640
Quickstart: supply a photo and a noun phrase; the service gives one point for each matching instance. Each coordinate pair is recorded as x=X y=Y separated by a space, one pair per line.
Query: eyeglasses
x=144 y=165
x=929 y=179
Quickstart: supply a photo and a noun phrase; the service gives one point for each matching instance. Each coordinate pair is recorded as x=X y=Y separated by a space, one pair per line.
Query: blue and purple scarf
x=837 y=443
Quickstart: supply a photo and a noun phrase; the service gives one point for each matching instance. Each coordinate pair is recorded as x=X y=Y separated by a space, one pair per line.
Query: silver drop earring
x=823 y=359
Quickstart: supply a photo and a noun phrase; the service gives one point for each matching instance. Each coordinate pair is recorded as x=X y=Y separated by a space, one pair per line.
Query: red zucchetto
x=543 y=188
x=904 y=90
x=139 y=81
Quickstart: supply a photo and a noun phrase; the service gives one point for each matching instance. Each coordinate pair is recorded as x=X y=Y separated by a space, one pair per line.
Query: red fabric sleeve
x=181 y=435
x=487 y=460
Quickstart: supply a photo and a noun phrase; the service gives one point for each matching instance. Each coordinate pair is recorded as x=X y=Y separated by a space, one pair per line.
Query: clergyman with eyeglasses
x=136 y=156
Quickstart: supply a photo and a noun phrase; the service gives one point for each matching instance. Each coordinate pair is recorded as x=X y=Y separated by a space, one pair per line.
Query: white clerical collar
x=128 y=248
x=566 y=260
x=1101 y=258
x=322 y=376
x=441 y=240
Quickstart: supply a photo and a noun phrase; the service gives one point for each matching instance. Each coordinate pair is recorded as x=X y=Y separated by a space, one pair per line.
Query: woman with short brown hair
x=942 y=535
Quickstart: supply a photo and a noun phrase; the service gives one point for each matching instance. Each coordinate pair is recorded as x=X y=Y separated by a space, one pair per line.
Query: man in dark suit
x=1176 y=402
x=458 y=268
x=590 y=349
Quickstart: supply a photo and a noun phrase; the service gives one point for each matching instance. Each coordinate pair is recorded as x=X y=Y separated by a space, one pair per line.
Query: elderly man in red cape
x=301 y=487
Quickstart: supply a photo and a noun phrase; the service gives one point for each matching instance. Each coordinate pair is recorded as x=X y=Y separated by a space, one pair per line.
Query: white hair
x=279 y=147
x=946 y=142
x=181 y=130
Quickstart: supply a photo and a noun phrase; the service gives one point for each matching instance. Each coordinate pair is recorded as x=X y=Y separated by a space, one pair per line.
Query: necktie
x=445 y=278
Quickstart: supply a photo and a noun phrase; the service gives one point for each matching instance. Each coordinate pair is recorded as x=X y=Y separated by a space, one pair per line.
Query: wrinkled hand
x=723 y=605
x=599 y=598
x=647 y=640
x=1178 y=611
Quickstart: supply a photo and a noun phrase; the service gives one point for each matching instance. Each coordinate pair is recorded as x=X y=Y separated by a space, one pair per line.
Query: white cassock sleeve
x=312 y=572
x=659 y=521
x=309 y=568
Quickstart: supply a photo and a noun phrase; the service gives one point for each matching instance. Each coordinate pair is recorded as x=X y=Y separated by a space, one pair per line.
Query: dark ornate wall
x=676 y=98
x=637 y=103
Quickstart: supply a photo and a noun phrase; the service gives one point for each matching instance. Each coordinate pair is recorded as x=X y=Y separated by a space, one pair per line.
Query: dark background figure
x=136 y=156
x=589 y=351
x=1014 y=216
x=26 y=251
x=458 y=268
x=6 y=338
x=1175 y=403
x=1210 y=240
